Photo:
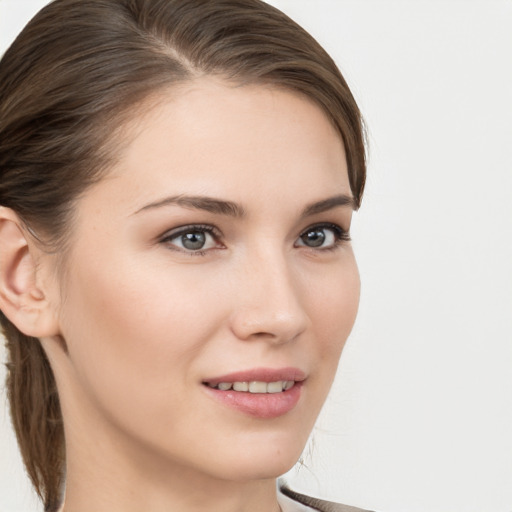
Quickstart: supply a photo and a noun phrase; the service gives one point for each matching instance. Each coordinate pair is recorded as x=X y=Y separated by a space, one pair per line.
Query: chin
x=256 y=469
x=260 y=459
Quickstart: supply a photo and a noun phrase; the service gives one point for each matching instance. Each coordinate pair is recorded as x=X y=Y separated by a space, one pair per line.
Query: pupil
x=314 y=238
x=194 y=240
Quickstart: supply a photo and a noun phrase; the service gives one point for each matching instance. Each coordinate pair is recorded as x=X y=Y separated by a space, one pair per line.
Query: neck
x=178 y=495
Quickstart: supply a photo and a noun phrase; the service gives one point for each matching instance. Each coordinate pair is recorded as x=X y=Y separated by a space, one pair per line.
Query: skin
x=140 y=321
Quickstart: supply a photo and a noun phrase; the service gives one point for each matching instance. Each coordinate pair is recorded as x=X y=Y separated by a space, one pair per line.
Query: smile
x=263 y=393
x=255 y=386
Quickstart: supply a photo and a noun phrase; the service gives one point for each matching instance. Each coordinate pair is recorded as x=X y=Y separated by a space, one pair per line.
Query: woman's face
x=215 y=253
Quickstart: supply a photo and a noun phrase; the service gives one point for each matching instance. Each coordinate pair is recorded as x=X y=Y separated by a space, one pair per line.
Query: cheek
x=333 y=310
x=334 y=306
x=332 y=303
x=133 y=332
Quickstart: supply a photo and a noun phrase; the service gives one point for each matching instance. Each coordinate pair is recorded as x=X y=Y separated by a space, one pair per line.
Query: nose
x=269 y=303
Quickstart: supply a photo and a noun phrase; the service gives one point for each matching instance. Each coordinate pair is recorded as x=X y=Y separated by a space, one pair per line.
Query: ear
x=22 y=300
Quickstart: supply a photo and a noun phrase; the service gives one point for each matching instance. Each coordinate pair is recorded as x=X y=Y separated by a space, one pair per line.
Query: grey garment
x=316 y=504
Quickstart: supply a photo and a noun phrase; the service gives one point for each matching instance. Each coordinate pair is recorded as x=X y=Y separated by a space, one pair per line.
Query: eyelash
x=340 y=236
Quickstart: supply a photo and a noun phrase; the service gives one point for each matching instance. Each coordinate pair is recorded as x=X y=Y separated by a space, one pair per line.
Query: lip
x=258 y=405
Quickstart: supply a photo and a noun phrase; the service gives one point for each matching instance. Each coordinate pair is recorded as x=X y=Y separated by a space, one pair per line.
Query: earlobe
x=22 y=301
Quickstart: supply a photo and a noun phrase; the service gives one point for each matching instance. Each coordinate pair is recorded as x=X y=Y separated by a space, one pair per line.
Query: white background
x=420 y=418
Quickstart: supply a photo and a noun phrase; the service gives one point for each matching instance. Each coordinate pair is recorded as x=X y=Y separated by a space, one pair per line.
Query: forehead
x=210 y=136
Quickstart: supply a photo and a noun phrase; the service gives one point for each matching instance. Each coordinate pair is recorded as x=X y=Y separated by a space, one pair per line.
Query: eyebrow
x=329 y=204
x=205 y=203
x=222 y=207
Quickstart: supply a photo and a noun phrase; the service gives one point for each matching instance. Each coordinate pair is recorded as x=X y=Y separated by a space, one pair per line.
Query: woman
x=177 y=281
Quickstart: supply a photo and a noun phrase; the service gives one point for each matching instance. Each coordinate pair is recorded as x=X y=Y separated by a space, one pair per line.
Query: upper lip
x=260 y=375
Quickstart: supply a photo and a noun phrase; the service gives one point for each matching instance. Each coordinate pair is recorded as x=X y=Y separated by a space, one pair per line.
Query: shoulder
x=315 y=503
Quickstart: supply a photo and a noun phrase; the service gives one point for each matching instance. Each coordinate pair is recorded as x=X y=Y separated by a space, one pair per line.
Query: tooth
x=275 y=387
x=241 y=386
x=257 y=387
x=224 y=386
x=288 y=384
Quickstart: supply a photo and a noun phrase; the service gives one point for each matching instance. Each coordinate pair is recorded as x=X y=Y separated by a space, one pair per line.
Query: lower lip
x=259 y=405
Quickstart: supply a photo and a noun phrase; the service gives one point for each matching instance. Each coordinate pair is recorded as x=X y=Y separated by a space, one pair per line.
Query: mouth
x=261 y=393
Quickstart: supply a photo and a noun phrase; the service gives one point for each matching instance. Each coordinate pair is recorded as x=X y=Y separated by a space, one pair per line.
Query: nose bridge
x=269 y=298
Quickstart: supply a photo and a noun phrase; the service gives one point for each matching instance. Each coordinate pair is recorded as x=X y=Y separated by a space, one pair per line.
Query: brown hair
x=71 y=78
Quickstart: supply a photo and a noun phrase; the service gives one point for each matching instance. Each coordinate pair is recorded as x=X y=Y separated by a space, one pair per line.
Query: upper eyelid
x=328 y=225
x=174 y=232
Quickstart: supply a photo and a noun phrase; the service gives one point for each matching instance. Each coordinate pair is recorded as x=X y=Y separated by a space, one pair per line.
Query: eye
x=193 y=239
x=322 y=236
